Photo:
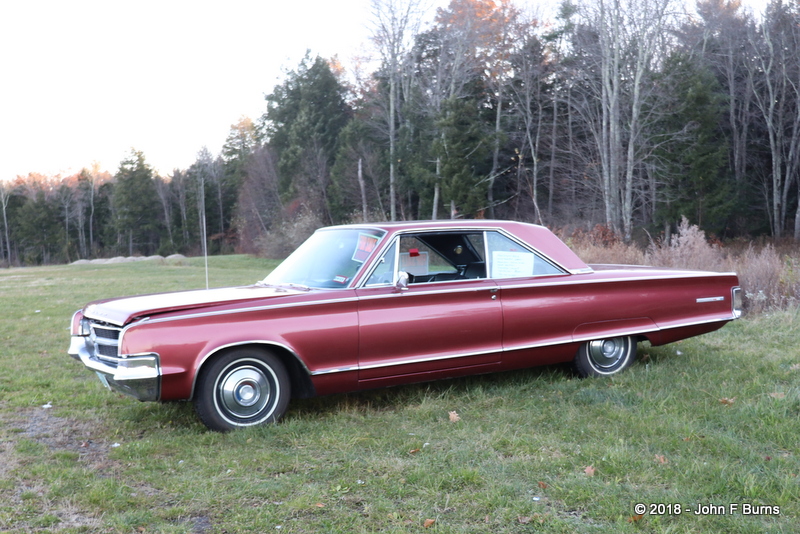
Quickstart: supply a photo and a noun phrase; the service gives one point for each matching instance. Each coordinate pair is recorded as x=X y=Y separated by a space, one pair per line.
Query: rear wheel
x=605 y=357
x=244 y=387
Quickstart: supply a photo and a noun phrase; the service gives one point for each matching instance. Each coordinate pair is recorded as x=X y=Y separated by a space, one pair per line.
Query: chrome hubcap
x=607 y=353
x=244 y=392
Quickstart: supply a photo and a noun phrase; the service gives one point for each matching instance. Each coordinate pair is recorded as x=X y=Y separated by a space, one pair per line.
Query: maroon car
x=373 y=305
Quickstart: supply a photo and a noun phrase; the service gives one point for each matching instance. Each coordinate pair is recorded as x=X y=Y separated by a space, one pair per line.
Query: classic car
x=372 y=305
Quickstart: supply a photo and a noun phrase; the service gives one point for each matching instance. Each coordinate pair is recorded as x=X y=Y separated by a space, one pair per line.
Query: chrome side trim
x=216 y=350
x=253 y=309
x=335 y=370
x=710 y=299
x=520 y=347
x=691 y=274
x=560 y=280
x=255 y=342
x=432 y=359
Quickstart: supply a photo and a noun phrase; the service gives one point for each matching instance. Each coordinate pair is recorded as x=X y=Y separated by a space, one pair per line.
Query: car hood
x=120 y=311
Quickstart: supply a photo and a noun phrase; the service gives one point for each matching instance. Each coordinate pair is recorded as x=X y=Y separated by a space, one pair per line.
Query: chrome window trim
x=420 y=290
x=466 y=229
x=393 y=244
x=531 y=248
x=709 y=299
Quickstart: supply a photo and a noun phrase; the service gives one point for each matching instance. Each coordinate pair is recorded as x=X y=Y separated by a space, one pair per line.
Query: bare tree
x=395 y=23
x=5 y=195
x=629 y=39
x=259 y=197
x=164 y=190
x=776 y=74
x=503 y=25
x=65 y=196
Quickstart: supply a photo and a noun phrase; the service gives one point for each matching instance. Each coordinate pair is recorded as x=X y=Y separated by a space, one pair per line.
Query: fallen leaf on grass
x=660 y=458
x=428 y=523
x=454 y=417
x=795 y=367
x=524 y=520
x=728 y=401
x=319 y=505
x=589 y=471
x=414 y=451
x=635 y=518
x=778 y=395
x=542 y=485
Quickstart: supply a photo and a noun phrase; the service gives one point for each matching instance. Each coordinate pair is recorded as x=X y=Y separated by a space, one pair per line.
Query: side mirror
x=402 y=281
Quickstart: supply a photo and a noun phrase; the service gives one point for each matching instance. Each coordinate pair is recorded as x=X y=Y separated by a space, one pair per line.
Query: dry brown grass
x=768 y=274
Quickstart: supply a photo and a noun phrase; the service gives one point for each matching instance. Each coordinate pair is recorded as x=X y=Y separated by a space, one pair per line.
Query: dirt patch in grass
x=40 y=425
x=62 y=434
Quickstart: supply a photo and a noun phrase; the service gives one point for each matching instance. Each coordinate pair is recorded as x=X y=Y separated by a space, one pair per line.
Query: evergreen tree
x=464 y=148
x=136 y=206
x=302 y=123
x=697 y=185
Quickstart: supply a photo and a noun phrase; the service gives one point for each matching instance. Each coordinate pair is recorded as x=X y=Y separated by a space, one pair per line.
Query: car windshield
x=328 y=259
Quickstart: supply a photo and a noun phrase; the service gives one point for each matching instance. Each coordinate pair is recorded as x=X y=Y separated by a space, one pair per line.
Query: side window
x=383 y=274
x=509 y=259
x=423 y=263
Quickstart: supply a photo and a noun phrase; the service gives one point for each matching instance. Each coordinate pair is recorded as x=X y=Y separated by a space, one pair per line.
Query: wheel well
x=302 y=387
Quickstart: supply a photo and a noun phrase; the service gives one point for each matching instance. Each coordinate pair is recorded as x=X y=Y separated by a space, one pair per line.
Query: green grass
x=709 y=421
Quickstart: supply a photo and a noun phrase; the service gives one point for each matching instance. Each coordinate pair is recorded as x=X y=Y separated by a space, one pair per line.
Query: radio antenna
x=201 y=201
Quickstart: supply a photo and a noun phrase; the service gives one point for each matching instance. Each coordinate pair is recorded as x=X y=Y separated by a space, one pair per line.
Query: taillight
x=736 y=302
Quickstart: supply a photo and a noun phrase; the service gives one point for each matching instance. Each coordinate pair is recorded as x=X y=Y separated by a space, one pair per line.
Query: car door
x=448 y=318
x=539 y=308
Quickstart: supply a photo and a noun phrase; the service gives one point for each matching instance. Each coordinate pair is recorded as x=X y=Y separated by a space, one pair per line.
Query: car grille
x=105 y=339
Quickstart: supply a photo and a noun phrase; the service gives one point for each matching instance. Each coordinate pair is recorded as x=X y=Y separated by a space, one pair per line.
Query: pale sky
x=84 y=81
x=87 y=80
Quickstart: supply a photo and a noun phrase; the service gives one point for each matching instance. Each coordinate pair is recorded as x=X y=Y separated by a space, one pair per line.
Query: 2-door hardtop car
x=372 y=305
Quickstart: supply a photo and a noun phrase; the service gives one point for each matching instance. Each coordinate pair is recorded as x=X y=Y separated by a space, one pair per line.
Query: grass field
x=702 y=425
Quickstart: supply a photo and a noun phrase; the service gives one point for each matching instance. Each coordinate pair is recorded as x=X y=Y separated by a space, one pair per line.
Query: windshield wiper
x=296 y=286
x=301 y=287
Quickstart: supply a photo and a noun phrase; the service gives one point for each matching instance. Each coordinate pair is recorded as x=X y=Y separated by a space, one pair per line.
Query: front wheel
x=245 y=387
x=605 y=357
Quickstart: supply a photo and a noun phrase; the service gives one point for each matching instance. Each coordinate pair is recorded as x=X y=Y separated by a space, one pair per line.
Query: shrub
x=688 y=249
x=283 y=238
x=769 y=279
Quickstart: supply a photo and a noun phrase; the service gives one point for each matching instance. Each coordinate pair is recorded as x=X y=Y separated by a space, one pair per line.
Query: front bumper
x=137 y=375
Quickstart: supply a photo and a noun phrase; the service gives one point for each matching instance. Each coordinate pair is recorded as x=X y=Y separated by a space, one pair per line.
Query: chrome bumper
x=137 y=375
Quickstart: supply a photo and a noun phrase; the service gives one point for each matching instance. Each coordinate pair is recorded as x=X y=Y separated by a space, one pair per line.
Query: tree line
x=627 y=113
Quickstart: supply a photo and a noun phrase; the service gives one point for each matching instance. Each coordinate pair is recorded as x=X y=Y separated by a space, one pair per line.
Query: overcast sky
x=84 y=81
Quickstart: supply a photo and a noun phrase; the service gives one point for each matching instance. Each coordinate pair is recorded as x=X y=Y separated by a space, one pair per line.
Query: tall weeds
x=769 y=279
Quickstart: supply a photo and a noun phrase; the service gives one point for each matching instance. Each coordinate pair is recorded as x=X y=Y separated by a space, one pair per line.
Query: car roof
x=535 y=236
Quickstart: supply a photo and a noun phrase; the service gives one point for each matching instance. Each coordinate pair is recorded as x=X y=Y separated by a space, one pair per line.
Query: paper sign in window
x=511 y=264
x=414 y=264
x=364 y=247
